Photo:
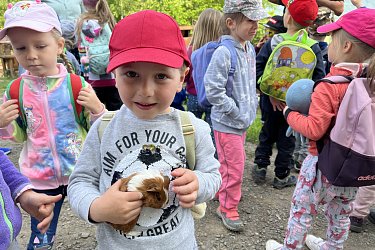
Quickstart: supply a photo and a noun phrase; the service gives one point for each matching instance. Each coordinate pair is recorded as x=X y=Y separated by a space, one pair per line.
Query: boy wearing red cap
x=352 y=47
x=145 y=134
x=298 y=15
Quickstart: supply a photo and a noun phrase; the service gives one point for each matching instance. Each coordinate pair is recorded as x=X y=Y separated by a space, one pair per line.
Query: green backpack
x=291 y=60
x=199 y=210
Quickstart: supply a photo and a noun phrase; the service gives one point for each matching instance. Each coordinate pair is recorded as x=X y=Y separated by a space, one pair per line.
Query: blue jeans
x=45 y=241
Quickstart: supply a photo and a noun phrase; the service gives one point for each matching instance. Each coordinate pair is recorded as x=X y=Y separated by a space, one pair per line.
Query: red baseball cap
x=147 y=36
x=304 y=12
x=358 y=23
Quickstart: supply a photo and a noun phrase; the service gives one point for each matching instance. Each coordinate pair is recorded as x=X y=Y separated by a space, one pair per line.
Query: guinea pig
x=154 y=187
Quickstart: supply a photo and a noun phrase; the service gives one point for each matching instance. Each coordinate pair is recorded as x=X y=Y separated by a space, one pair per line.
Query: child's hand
x=89 y=100
x=277 y=104
x=39 y=206
x=185 y=186
x=357 y=3
x=115 y=206
x=262 y=41
x=8 y=112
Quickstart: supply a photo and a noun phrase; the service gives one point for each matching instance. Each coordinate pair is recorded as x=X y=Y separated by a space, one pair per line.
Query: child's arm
x=185 y=186
x=323 y=107
x=89 y=100
x=215 y=81
x=336 y=5
x=319 y=71
x=39 y=206
x=116 y=206
x=9 y=129
x=8 y=112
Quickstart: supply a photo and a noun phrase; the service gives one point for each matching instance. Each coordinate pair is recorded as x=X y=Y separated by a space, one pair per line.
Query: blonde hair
x=67 y=63
x=102 y=13
x=56 y=34
x=361 y=51
x=237 y=17
x=207 y=28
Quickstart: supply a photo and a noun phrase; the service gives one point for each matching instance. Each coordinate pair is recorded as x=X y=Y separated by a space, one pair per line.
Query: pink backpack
x=347 y=159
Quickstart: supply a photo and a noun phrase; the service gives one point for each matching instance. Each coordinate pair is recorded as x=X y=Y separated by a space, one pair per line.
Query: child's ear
x=60 y=45
x=348 y=46
x=182 y=78
x=231 y=24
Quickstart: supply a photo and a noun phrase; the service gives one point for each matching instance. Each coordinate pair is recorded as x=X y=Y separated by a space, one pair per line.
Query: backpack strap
x=104 y=120
x=15 y=91
x=75 y=84
x=331 y=80
x=228 y=43
x=334 y=80
x=189 y=137
x=300 y=36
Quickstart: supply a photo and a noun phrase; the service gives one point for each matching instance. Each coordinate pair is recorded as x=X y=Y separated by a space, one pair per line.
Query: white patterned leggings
x=311 y=190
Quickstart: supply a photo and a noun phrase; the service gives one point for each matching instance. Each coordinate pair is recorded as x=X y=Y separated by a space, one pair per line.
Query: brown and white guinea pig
x=154 y=187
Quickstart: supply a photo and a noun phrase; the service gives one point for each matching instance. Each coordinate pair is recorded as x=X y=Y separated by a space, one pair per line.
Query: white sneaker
x=314 y=243
x=273 y=245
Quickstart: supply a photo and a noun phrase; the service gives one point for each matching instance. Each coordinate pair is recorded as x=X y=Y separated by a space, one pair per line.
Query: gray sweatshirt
x=232 y=114
x=129 y=145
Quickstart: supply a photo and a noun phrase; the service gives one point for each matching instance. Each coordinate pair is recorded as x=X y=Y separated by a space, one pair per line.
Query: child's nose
x=31 y=54
x=147 y=88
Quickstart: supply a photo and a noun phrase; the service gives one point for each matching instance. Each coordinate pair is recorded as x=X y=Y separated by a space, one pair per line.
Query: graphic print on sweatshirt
x=148 y=153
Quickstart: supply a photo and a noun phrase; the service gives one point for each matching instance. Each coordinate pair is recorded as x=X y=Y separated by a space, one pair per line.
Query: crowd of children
x=56 y=114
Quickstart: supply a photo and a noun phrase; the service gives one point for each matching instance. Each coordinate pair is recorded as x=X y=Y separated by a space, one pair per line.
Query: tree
x=185 y=12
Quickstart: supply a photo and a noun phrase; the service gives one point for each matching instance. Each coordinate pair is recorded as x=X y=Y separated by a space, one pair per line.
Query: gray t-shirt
x=132 y=145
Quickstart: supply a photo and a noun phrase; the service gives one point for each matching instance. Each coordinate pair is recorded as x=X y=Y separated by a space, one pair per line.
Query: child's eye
x=19 y=48
x=41 y=46
x=131 y=74
x=161 y=76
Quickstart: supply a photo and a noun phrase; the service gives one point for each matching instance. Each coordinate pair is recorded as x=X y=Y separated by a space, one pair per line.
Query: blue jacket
x=261 y=61
x=11 y=183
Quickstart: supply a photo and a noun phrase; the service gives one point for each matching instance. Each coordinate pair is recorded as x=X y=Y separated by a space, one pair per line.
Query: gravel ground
x=264 y=211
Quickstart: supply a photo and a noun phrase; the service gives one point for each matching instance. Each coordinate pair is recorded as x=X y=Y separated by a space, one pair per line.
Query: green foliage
x=3 y=7
x=185 y=12
x=4 y=81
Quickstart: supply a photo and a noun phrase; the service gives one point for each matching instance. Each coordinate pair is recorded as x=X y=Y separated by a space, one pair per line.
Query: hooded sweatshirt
x=232 y=114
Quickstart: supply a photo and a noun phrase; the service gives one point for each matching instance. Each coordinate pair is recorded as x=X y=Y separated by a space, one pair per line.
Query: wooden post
x=8 y=60
x=187 y=33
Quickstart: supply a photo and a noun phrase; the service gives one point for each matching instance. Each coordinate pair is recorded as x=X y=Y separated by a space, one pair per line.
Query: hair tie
x=9 y=6
x=38 y=1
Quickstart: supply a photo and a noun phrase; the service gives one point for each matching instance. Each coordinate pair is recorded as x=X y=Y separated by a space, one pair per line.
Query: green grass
x=253 y=131
x=3 y=84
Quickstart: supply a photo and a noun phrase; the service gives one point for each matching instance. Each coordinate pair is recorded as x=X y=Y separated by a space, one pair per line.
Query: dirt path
x=264 y=210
